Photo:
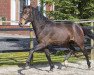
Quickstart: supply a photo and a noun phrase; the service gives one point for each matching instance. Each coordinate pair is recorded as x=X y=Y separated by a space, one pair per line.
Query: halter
x=30 y=14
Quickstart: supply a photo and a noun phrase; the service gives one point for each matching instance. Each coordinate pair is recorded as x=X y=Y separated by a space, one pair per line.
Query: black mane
x=39 y=16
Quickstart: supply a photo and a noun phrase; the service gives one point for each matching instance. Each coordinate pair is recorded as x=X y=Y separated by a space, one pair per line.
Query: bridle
x=29 y=17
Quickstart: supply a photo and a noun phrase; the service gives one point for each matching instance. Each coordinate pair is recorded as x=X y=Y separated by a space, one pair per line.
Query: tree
x=73 y=9
x=43 y=3
x=86 y=9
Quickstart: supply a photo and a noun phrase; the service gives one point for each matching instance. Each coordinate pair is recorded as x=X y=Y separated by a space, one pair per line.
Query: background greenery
x=71 y=9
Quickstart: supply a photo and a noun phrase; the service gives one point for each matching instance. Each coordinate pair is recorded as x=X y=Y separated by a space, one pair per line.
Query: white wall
x=13 y=11
x=28 y=2
x=39 y=4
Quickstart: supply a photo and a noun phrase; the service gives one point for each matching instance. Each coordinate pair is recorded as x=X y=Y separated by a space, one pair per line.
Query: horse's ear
x=24 y=7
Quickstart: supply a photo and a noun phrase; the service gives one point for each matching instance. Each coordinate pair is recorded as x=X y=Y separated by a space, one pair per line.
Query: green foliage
x=72 y=9
x=3 y=18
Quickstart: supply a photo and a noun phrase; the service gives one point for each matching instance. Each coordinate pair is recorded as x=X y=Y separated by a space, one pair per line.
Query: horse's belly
x=60 y=39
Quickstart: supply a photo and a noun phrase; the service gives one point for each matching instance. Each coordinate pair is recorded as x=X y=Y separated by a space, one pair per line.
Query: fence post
x=92 y=44
x=31 y=38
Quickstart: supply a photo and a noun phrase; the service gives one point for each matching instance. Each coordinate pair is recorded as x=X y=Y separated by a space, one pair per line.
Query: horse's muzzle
x=20 y=24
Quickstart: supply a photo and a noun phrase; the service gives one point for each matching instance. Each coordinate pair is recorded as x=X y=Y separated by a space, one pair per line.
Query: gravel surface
x=79 y=68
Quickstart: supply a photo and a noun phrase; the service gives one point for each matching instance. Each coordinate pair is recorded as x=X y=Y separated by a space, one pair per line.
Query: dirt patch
x=79 y=68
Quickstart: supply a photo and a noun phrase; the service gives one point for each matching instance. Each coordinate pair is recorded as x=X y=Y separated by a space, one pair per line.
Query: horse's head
x=26 y=16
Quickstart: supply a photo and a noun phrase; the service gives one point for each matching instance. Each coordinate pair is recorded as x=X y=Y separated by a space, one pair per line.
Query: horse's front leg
x=30 y=58
x=38 y=47
x=49 y=59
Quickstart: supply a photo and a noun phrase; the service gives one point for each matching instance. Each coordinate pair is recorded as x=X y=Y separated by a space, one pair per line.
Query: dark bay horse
x=50 y=33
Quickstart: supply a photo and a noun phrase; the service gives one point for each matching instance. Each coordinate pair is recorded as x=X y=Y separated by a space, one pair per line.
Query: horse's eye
x=27 y=13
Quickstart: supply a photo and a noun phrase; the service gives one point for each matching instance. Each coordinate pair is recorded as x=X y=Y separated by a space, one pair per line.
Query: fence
x=14 y=43
x=17 y=42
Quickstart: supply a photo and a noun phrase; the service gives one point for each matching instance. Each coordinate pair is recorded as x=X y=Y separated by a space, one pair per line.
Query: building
x=10 y=10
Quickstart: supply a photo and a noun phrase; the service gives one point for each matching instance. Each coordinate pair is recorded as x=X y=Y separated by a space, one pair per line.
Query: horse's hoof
x=51 y=68
x=89 y=67
x=59 y=67
x=27 y=65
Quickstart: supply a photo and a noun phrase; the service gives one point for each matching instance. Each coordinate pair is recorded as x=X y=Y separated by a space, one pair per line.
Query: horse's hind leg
x=49 y=59
x=85 y=54
x=71 y=49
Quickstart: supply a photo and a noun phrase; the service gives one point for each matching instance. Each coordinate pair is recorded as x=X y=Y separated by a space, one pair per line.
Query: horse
x=49 y=33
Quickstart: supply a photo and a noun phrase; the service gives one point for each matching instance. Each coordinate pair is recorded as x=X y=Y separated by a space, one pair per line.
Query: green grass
x=20 y=58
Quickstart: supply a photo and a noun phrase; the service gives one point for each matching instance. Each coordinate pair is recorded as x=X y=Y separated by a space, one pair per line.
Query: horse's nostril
x=20 y=24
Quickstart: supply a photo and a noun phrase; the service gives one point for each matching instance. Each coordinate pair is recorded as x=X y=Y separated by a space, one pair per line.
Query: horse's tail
x=88 y=32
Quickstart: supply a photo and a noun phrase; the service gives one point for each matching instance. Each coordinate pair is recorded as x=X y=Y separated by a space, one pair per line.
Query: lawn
x=20 y=58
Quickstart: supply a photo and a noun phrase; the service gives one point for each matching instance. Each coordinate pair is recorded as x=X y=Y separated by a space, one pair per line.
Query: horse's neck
x=38 y=22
